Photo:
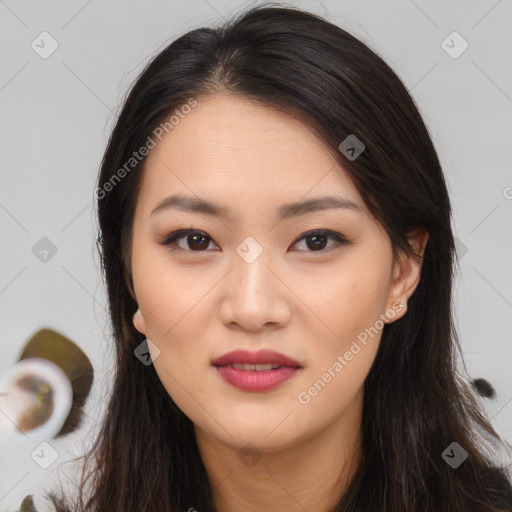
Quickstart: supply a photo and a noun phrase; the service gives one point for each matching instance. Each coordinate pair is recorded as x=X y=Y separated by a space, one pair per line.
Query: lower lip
x=252 y=380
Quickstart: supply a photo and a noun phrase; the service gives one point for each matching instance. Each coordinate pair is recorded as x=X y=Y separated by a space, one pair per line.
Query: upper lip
x=263 y=356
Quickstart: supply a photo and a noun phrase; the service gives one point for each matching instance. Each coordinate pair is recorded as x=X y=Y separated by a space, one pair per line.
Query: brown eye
x=316 y=240
x=194 y=240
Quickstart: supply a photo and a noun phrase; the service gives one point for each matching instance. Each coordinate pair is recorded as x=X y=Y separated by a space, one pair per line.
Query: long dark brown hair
x=416 y=401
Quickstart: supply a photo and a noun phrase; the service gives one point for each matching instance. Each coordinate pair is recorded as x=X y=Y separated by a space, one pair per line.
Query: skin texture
x=309 y=304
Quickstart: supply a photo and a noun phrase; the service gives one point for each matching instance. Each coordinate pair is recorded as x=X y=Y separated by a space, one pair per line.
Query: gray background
x=56 y=115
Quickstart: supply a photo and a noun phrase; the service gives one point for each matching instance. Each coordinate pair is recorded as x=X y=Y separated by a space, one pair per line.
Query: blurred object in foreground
x=43 y=394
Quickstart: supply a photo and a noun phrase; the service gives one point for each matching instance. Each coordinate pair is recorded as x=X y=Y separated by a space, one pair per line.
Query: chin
x=258 y=438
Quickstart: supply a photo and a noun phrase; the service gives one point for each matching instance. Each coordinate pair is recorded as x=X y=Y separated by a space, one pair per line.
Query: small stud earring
x=398 y=305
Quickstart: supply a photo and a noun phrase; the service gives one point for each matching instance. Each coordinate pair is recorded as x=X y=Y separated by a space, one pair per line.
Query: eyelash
x=182 y=233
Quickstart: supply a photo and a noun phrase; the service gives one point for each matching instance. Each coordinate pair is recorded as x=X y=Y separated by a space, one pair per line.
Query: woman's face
x=252 y=281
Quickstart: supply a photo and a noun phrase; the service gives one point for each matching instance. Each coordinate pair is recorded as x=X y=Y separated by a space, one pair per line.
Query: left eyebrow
x=205 y=207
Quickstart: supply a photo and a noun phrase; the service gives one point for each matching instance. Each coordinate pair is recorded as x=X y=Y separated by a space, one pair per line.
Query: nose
x=254 y=295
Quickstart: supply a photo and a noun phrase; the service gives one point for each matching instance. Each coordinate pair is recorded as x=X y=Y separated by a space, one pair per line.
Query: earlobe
x=138 y=321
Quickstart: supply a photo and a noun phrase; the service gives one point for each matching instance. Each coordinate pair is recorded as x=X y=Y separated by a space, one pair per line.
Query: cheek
x=173 y=303
x=348 y=339
x=167 y=295
x=345 y=306
x=172 y=323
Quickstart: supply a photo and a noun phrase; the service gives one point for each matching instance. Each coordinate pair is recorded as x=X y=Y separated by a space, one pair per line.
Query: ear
x=138 y=322
x=407 y=269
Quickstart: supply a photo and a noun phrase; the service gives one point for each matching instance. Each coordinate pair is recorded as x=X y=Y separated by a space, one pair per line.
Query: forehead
x=230 y=128
x=243 y=152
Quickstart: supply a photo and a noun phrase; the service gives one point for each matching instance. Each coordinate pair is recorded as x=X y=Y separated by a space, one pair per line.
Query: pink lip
x=263 y=356
x=253 y=380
